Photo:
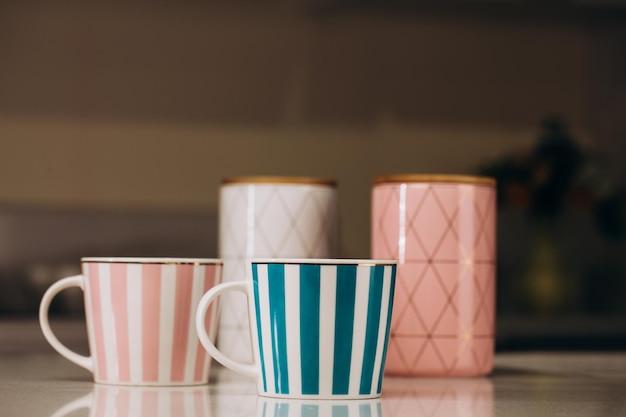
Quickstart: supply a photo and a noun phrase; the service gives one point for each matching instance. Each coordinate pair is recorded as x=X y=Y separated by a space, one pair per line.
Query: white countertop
x=35 y=382
x=525 y=384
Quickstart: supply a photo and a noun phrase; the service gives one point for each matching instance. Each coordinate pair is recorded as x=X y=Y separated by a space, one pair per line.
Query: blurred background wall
x=118 y=119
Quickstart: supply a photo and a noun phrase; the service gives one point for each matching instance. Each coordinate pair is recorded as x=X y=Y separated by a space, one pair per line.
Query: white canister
x=273 y=217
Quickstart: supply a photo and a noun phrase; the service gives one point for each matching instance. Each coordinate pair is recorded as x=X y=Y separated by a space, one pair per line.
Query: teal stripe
x=281 y=410
x=340 y=411
x=255 y=285
x=278 y=326
x=310 y=328
x=389 y=311
x=365 y=410
x=308 y=410
x=344 y=327
x=372 y=327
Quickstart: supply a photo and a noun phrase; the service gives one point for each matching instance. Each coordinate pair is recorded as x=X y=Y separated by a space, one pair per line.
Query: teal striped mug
x=319 y=327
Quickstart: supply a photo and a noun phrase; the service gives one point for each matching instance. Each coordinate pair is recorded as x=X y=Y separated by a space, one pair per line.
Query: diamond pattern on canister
x=443 y=235
x=269 y=217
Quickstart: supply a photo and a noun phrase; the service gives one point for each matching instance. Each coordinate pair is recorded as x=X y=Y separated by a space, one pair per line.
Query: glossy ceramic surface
x=319 y=329
x=140 y=319
x=269 y=217
x=442 y=233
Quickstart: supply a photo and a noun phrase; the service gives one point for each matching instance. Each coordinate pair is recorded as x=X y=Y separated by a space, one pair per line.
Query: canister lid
x=279 y=180
x=441 y=178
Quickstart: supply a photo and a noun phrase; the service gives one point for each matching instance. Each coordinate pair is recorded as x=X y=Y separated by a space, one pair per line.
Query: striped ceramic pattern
x=116 y=401
x=140 y=322
x=322 y=330
x=308 y=408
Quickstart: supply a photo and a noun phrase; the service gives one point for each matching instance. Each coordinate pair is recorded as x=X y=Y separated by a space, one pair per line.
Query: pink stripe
x=96 y=308
x=198 y=402
x=182 y=315
x=150 y=399
x=209 y=281
x=177 y=404
x=102 y=397
x=119 y=302
x=151 y=302
x=122 y=406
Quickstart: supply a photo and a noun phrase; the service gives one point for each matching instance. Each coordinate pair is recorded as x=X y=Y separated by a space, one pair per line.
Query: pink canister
x=441 y=230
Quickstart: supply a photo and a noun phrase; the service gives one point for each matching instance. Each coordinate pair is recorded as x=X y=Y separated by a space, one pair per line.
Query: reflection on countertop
x=459 y=397
x=523 y=384
x=106 y=400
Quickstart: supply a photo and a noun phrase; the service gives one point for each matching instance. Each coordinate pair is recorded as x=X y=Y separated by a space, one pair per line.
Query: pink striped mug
x=140 y=317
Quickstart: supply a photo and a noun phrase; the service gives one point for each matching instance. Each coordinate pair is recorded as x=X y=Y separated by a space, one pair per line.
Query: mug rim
x=323 y=261
x=152 y=260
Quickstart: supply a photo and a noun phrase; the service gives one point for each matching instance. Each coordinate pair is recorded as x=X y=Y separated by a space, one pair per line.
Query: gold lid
x=442 y=178
x=279 y=180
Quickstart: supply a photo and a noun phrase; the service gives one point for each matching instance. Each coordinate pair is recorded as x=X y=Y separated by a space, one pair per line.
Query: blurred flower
x=557 y=174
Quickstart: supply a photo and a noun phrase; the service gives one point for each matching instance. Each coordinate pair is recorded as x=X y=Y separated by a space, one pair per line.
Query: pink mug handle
x=83 y=402
x=203 y=306
x=73 y=281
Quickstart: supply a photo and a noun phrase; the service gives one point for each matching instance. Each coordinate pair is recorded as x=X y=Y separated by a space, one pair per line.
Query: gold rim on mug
x=440 y=178
x=153 y=261
x=279 y=180
x=328 y=261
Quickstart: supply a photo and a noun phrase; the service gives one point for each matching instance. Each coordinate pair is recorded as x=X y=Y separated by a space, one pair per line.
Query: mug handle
x=82 y=402
x=73 y=281
x=203 y=305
